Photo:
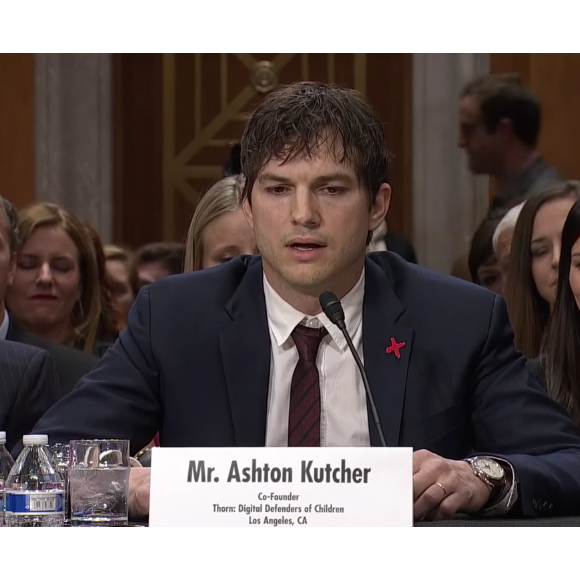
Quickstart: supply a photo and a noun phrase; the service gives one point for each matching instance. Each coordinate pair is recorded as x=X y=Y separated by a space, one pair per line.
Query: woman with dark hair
x=532 y=279
x=559 y=363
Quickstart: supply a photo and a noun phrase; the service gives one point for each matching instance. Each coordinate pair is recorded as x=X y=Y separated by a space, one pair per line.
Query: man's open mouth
x=309 y=246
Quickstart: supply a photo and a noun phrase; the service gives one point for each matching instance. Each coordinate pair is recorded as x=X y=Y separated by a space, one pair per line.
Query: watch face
x=490 y=468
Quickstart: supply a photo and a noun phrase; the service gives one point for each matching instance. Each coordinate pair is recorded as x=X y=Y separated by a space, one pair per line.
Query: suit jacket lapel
x=245 y=347
x=386 y=371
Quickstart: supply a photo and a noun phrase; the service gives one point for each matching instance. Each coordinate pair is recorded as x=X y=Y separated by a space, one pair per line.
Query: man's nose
x=305 y=210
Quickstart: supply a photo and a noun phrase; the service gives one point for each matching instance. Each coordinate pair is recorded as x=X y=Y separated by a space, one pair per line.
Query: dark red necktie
x=304 y=417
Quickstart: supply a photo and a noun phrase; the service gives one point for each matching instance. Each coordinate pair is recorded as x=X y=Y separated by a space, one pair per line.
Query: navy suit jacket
x=71 y=364
x=29 y=386
x=194 y=364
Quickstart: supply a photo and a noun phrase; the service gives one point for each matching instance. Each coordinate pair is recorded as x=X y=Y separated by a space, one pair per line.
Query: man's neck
x=515 y=161
x=306 y=300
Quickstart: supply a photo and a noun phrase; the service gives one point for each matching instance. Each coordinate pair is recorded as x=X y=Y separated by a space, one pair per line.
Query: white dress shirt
x=343 y=413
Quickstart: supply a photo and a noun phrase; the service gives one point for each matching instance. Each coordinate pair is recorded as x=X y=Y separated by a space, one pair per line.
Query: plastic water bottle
x=6 y=463
x=34 y=490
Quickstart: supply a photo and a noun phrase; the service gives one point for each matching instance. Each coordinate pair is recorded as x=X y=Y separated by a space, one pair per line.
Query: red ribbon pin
x=395 y=347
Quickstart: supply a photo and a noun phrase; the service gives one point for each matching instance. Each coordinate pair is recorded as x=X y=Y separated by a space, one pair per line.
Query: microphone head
x=332 y=307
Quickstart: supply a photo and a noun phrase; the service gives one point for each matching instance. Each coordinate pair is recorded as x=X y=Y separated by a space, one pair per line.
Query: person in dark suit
x=241 y=354
x=71 y=364
x=29 y=386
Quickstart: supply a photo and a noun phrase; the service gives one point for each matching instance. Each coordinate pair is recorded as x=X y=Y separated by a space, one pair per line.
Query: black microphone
x=332 y=307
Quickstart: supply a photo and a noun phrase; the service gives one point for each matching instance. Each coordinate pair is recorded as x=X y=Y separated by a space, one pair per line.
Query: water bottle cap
x=35 y=440
x=2 y=437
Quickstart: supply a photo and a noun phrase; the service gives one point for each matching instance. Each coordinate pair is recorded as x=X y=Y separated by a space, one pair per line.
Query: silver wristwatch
x=491 y=473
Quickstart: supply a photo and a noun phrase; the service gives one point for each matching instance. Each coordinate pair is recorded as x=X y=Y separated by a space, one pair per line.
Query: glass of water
x=61 y=455
x=99 y=482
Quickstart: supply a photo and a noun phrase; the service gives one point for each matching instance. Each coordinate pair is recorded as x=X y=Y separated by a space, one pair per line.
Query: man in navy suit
x=241 y=354
x=29 y=386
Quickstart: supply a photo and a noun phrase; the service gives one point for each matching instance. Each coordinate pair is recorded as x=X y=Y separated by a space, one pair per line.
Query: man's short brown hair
x=505 y=96
x=170 y=254
x=296 y=120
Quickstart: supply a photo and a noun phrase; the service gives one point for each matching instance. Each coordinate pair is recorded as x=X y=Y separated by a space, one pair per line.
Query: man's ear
x=247 y=211
x=380 y=207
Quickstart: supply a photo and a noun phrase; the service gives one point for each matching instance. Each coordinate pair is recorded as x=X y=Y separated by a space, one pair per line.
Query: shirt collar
x=283 y=318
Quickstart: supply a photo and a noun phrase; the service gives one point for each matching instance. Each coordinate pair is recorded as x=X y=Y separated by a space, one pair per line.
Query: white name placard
x=281 y=486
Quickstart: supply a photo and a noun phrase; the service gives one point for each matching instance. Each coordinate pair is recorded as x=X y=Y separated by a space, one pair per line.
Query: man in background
x=29 y=386
x=155 y=261
x=499 y=127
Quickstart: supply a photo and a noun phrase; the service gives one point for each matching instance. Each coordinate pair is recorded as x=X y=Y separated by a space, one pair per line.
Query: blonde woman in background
x=218 y=230
x=55 y=293
x=217 y=233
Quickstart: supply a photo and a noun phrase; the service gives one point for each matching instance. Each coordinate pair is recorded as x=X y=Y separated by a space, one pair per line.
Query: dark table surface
x=465 y=522
x=503 y=522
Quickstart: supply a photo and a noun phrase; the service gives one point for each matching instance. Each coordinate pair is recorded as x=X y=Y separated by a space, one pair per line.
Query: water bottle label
x=35 y=503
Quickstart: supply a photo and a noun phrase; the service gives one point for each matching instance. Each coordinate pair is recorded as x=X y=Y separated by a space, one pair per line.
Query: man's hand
x=443 y=487
x=139 y=490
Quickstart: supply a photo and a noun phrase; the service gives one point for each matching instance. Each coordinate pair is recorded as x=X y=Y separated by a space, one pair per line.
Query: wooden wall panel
x=17 y=157
x=555 y=80
x=511 y=63
x=137 y=148
x=390 y=90
x=175 y=114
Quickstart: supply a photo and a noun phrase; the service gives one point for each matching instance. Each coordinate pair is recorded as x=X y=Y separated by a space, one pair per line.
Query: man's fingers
x=419 y=458
x=427 y=469
x=428 y=501
x=422 y=481
x=447 y=508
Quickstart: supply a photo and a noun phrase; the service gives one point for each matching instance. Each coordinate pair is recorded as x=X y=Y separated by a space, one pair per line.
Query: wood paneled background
x=137 y=148
x=174 y=116
x=17 y=156
x=163 y=103
x=555 y=80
